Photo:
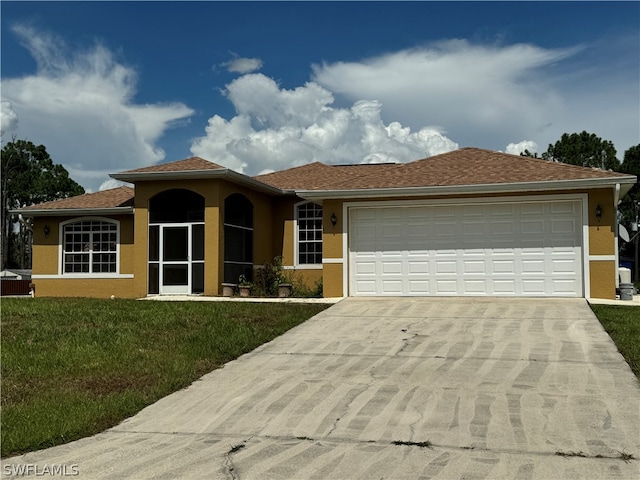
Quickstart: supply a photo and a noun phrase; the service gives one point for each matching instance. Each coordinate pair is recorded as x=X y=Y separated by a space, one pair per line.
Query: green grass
x=74 y=367
x=622 y=323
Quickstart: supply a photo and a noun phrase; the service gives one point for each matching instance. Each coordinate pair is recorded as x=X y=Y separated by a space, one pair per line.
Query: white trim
x=67 y=212
x=83 y=275
x=491 y=188
x=345 y=249
x=585 y=246
x=602 y=258
x=466 y=201
x=302 y=267
x=61 y=252
x=616 y=225
x=582 y=197
x=332 y=260
x=296 y=263
x=224 y=173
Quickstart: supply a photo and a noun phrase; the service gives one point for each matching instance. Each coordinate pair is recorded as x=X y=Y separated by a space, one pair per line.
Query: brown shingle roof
x=112 y=198
x=466 y=166
x=188 y=164
x=471 y=166
x=317 y=175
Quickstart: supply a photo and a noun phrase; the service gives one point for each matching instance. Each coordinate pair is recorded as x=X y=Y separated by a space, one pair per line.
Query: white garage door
x=517 y=249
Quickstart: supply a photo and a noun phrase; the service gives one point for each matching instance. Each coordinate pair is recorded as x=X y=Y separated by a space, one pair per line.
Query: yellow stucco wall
x=601 y=238
x=602 y=242
x=274 y=235
x=601 y=231
x=46 y=261
x=214 y=192
x=600 y=276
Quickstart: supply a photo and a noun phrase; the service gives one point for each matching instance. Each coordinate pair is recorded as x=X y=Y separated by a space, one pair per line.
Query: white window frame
x=61 y=254
x=296 y=241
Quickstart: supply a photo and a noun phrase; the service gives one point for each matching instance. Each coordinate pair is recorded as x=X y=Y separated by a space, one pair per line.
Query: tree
x=584 y=149
x=629 y=206
x=28 y=176
x=527 y=153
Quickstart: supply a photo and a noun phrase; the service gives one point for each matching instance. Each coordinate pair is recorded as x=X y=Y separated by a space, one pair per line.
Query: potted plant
x=228 y=289
x=244 y=286
x=284 y=290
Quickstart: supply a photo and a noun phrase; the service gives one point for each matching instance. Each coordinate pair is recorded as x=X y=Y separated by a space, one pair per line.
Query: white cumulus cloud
x=85 y=99
x=8 y=119
x=480 y=93
x=242 y=65
x=276 y=128
x=520 y=147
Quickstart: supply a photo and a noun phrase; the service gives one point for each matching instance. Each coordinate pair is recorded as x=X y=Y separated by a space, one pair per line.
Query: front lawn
x=74 y=367
x=622 y=323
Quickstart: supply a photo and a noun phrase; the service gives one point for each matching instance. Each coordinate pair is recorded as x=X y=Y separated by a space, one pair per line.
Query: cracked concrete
x=498 y=388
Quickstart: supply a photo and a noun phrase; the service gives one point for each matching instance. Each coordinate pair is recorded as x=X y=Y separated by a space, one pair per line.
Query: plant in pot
x=228 y=289
x=284 y=284
x=244 y=286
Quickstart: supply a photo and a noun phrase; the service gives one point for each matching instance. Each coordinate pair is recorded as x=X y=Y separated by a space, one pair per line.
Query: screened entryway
x=238 y=238
x=176 y=243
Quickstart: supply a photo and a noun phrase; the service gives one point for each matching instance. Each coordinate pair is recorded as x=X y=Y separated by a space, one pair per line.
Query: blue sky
x=260 y=86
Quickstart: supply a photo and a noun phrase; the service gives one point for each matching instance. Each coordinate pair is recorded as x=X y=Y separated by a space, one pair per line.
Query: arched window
x=90 y=245
x=176 y=206
x=238 y=238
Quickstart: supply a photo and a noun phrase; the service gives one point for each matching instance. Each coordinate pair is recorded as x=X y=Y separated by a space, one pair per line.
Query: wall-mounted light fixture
x=45 y=230
x=598 y=212
x=334 y=219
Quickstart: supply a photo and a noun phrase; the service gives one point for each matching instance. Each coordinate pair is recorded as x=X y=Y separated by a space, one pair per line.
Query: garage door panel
x=478 y=249
x=389 y=268
x=532 y=227
x=470 y=267
x=533 y=266
x=497 y=228
x=392 y=287
x=562 y=266
x=501 y=209
x=470 y=229
x=564 y=287
x=475 y=287
x=446 y=229
x=418 y=267
x=446 y=287
x=418 y=287
x=446 y=266
x=504 y=287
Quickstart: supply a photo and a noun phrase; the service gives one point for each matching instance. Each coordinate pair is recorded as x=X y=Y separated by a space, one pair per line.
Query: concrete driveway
x=394 y=388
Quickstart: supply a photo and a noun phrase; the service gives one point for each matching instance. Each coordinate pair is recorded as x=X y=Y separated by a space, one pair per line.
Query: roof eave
x=551 y=185
x=224 y=173
x=66 y=212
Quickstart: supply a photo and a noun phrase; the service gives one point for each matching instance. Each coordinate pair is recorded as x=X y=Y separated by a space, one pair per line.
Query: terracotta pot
x=284 y=290
x=245 y=291
x=228 y=289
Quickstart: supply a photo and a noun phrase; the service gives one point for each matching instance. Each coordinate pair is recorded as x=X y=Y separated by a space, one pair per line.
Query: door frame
x=527 y=198
x=175 y=289
x=186 y=289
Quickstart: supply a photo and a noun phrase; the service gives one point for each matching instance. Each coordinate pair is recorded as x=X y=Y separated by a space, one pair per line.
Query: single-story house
x=468 y=222
x=16 y=274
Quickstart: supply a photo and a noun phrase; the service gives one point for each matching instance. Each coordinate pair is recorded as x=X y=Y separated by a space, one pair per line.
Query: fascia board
x=67 y=212
x=197 y=175
x=552 y=185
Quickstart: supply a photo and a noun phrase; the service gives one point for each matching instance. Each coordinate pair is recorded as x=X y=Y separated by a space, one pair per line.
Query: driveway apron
x=393 y=388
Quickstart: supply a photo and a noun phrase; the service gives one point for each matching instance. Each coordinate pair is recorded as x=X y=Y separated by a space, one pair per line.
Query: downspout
x=616 y=200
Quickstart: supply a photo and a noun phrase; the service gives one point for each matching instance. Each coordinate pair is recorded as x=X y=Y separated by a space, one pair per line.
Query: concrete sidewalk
x=402 y=388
